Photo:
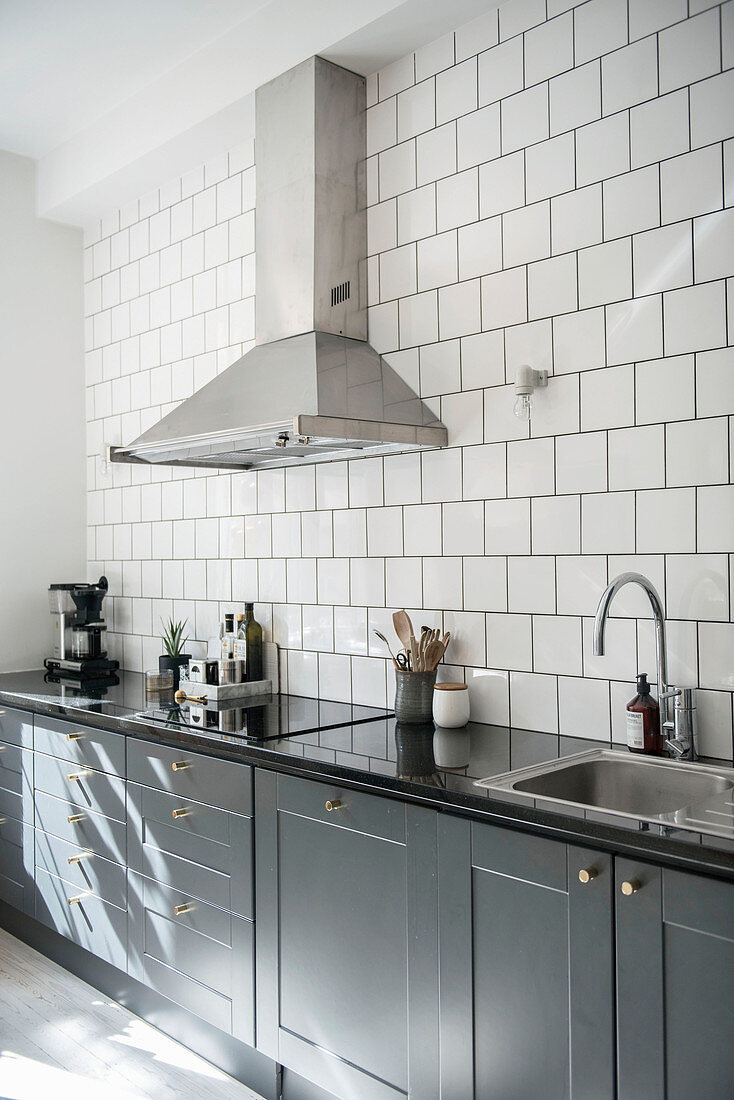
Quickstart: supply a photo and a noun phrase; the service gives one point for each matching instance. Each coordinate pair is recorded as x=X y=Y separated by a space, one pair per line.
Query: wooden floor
x=60 y=1039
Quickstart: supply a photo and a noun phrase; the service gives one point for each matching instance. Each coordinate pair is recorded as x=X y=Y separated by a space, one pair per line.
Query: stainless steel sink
x=689 y=795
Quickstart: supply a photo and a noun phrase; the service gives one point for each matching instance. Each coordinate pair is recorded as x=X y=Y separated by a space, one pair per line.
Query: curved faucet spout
x=602 y=613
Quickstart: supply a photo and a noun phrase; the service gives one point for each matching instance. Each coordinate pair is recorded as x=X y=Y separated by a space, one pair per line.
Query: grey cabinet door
x=675 y=984
x=346 y=931
x=526 y=954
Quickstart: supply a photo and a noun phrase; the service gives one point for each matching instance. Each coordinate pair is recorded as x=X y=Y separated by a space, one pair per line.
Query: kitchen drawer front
x=220 y=783
x=202 y=959
x=85 y=872
x=206 y=852
x=95 y=832
x=16 y=726
x=91 y=790
x=16 y=864
x=98 y=749
x=368 y=814
x=16 y=783
x=92 y=923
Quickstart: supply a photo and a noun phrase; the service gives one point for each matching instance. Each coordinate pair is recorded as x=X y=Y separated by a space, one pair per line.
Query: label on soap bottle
x=635 y=730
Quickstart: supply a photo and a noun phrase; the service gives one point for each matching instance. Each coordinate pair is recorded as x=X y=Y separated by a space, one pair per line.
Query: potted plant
x=173 y=643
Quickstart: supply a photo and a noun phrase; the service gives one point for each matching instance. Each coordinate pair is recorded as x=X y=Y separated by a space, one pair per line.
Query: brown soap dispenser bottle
x=643 y=721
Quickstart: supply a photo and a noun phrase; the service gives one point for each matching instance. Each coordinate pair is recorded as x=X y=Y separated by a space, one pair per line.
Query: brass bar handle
x=631 y=886
x=179 y=909
x=333 y=804
x=78 y=899
x=586 y=874
x=76 y=776
x=180 y=813
x=74 y=736
x=80 y=857
x=182 y=696
x=3 y=820
x=76 y=817
x=180 y=765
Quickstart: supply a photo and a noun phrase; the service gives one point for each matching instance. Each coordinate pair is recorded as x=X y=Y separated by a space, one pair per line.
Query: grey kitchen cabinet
x=675 y=984
x=527 y=966
x=346 y=936
x=16 y=809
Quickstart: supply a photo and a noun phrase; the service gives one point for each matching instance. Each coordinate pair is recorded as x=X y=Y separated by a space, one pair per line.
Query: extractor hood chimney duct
x=312 y=389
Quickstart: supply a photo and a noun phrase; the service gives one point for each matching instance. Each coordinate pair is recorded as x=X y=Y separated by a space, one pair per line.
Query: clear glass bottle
x=254 y=645
x=240 y=641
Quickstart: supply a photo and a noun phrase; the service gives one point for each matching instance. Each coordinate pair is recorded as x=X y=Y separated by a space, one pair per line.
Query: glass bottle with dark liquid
x=643 y=721
x=254 y=645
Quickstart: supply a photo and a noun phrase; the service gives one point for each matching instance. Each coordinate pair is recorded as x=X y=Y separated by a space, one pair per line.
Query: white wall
x=42 y=500
x=550 y=184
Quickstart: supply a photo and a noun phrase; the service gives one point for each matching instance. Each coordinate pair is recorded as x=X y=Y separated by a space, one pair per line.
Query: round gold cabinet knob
x=586 y=874
x=631 y=886
x=180 y=765
x=333 y=804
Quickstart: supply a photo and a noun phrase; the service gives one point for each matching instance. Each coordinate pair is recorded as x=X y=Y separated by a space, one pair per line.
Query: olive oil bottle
x=253 y=645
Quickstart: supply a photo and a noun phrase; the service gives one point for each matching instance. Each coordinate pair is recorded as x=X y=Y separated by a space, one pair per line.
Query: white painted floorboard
x=60 y=1039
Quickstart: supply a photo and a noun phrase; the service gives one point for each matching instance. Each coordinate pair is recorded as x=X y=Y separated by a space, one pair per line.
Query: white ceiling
x=114 y=97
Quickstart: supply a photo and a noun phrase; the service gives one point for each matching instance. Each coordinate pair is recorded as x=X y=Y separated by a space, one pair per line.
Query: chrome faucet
x=681 y=745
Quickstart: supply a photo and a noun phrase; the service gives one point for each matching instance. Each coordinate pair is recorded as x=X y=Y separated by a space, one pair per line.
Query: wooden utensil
x=382 y=637
x=403 y=628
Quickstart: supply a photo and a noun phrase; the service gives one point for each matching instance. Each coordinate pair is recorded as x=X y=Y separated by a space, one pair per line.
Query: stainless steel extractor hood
x=312 y=389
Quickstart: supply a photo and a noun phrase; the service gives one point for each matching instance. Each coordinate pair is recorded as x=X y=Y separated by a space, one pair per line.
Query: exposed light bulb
x=522 y=407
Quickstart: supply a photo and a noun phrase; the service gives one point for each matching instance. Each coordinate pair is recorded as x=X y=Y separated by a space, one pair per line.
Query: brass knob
x=334 y=804
x=180 y=813
x=2 y=748
x=180 y=765
x=631 y=886
x=74 y=736
x=80 y=857
x=77 y=900
x=75 y=817
x=179 y=909
x=3 y=820
x=586 y=874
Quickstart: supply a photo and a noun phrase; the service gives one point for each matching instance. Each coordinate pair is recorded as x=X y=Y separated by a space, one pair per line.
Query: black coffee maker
x=79 y=629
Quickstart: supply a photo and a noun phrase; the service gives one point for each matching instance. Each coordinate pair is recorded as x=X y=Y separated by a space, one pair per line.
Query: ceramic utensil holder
x=414 y=695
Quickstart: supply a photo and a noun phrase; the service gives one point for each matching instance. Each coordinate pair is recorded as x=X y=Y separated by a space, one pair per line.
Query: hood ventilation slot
x=340 y=293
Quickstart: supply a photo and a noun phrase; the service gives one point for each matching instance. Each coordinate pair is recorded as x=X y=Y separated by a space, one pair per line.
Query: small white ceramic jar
x=451 y=705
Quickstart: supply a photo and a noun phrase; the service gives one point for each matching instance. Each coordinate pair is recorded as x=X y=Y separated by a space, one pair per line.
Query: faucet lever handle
x=678 y=747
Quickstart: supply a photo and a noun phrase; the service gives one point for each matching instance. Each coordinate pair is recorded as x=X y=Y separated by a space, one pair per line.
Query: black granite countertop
x=418 y=764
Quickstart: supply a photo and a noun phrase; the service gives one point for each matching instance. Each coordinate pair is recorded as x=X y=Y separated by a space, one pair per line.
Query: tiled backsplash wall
x=549 y=185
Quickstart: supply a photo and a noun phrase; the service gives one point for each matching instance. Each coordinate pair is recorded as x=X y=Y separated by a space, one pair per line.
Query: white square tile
x=381 y=121
x=578 y=341
x=441 y=476
x=435 y=153
x=418 y=319
x=434 y=57
x=620 y=658
x=398 y=273
x=602 y=149
x=457 y=200
x=459 y=310
x=552 y=286
x=576 y=219
x=715 y=518
x=607 y=398
x=286 y=535
x=715 y=382
x=635 y=330
x=691 y=184
x=350 y=630
x=550 y=167
x=659 y=129
x=694 y=318
x=549 y=49
x=440 y=368
x=584 y=708
x=530 y=467
x=697 y=587
x=663 y=259
x=556 y=525
x=579 y=583
x=504 y=298
x=301 y=580
x=468 y=643
x=557 y=644
x=384 y=532
x=711 y=109
x=350 y=532
x=510 y=642
x=482 y=360
x=665 y=390
x=416 y=215
x=529 y=344
x=714 y=724
x=382 y=226
x=630 y=75
x=507 y=526
x=441 y=584
x=632 y=202
x=690 y=51
x=302 y=672
x=463 y=416
x=402 y=479
x=397 y=169
x=485 y=471
x=271 y=580
x=369 y=683
x=575 y=98
x=334 y=677
x=600 y=26
x=500 y=422
x=637 y=458
x=317 y=535
x=520 y=16
x=713 y=245
x=524 y=118
x=422 y=529
x=533 y=702
x=531 y=585
x=608 y=523
x=501 y=71
x=485 y=584
x=581 y=463
x=437 y=261
x=652 y=15
x=605 y=273
x=489 y=696
x=526 y=234
x=556 y=408
x=393 y=78
x=478 y=136
x=456 y=91
x=716 y=646
x=666 y=521
x=463 y=528
x=697 y=452
x=502 y=185
x=318 y=627
x=383 y=327
x=416 y=110
x=404 y=582
x=480 y=248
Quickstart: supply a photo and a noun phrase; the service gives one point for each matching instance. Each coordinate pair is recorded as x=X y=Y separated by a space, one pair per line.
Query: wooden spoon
x=403 y=628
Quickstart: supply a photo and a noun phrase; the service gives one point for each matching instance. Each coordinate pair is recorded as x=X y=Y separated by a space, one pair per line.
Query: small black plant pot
x=174 y=665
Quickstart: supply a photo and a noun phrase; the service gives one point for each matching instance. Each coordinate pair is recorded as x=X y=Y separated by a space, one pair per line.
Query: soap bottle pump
x=643 y=721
